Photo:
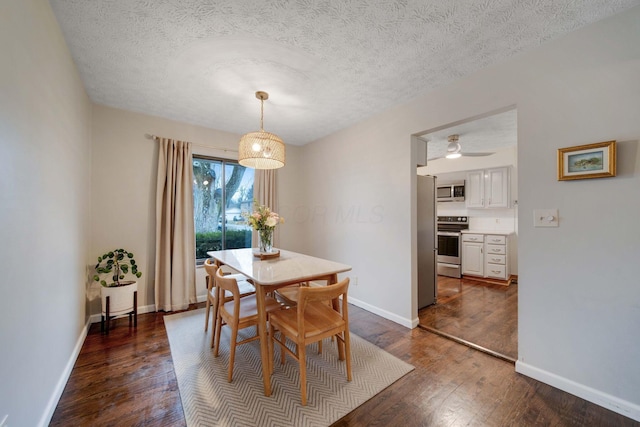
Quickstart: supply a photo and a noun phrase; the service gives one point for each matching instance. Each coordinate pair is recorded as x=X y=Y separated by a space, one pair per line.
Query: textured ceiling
x=326 y=64
x=483 y=135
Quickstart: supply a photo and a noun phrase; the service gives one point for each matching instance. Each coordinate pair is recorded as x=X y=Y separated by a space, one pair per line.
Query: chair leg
x=347 y=347
x=271 y=353
x=340 y=347
x=302 y=361
x=283 y=354
x=272 y=348
x=214 y=329
x=232 y=349
x=217 y=334
x=207 y=303
x=206 y=310
x=214 y=305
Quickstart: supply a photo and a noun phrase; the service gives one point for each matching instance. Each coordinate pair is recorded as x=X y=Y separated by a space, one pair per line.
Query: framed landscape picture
x=587 y=161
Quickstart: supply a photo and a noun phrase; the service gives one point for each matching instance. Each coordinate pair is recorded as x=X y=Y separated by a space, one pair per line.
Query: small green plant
x=116 y=263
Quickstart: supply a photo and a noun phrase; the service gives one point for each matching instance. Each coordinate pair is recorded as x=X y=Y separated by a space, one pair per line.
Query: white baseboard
x=383 y=313
x=615 y=404
x=64 y=378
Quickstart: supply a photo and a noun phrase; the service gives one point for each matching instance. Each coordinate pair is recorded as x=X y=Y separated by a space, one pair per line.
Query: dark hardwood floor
x=127 y=379
x=477 y=312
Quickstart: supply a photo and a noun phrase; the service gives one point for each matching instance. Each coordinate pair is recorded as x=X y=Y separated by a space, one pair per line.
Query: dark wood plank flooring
x=481 y=313
x=127 y=379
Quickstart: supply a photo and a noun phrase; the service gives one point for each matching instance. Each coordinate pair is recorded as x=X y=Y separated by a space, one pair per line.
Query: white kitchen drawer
x=496 y=249
x=497 y=240
x=497 y=271
x=472 y=237
x=496 y=259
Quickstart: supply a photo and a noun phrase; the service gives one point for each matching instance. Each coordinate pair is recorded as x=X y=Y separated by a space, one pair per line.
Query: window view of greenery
x=222 y=192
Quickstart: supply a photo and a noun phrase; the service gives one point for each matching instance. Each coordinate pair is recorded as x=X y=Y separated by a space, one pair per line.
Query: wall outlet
x=355 y=283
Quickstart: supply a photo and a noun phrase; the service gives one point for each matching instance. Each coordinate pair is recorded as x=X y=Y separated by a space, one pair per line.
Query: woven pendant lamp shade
x=261 y=149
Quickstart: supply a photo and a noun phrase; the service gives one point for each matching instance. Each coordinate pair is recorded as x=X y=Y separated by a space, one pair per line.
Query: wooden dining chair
x=313 y=320
x=245 y=287
x=238 y=313
x=289 y=297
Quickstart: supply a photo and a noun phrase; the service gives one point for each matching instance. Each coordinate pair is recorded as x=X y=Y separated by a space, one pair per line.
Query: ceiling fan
x=454 y=150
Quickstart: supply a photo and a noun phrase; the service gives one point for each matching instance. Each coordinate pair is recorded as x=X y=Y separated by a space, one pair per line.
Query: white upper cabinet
x=487 y=188
x=474 y=189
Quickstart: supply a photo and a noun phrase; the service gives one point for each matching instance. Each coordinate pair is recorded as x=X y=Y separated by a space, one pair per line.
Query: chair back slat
x=227 y=284
x=322 y=293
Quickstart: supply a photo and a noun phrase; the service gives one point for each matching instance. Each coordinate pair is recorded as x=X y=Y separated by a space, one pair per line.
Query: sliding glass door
x=222 y=195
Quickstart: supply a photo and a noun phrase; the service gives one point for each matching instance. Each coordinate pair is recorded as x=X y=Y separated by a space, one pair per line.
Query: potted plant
x=118 y=296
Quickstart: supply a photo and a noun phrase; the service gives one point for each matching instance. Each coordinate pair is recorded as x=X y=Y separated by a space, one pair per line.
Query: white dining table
x=270 y=274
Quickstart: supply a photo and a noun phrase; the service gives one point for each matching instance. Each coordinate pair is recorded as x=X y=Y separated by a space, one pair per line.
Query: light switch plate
x=545 y=218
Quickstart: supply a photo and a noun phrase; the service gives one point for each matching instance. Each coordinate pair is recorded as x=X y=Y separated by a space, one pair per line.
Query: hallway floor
x=480 y=313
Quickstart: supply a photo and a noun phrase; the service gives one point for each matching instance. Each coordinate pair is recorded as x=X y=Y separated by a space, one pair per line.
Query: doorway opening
x=473 y=309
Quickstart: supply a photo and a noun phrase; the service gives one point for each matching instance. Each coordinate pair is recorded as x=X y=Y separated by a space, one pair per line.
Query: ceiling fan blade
x=476 y=154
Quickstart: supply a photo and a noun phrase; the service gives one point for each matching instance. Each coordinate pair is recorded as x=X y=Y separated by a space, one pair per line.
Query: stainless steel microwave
x=450 y=192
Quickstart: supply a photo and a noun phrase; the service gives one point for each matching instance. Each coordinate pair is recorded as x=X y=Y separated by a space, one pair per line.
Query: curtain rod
x=155 y=138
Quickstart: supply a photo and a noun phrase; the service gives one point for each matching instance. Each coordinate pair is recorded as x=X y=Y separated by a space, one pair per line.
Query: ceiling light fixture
x=261 y=150
x=453 y=149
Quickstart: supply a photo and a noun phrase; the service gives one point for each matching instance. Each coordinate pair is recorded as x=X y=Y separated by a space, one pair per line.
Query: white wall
x=577 y=283
x=292 y=194
x=45 y=156
x=359 y=203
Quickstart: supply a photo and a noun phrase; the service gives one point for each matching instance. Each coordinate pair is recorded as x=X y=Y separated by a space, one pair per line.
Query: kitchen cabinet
x=487 y=188
x=473 y=254
x=496 y=265
x=486 y=255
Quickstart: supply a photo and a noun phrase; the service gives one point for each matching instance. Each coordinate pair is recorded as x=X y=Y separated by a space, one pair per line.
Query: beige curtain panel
x=175 y=285
x=264 y=191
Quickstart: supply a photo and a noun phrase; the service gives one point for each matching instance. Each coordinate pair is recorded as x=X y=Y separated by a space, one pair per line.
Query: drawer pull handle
x=495 y=250
x=495 y=271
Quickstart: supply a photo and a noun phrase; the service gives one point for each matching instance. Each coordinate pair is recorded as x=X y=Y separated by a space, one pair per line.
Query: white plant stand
x=118 y=301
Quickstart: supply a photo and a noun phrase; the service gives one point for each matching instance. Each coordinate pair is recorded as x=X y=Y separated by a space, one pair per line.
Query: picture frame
x=587 y=161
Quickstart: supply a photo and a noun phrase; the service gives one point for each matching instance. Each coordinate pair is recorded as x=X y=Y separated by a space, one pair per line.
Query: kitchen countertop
x=495 y=232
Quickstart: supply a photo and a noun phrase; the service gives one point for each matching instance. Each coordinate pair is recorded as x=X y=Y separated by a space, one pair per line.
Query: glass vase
x=265 y=240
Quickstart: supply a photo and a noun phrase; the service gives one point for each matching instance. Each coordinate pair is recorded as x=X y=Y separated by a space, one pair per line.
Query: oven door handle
x=448 y=233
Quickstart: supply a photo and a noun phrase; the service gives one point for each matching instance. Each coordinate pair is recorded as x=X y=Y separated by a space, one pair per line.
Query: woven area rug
x=209 y=400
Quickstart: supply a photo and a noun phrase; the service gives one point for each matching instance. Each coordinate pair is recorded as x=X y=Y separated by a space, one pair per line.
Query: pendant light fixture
x=261 y=150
